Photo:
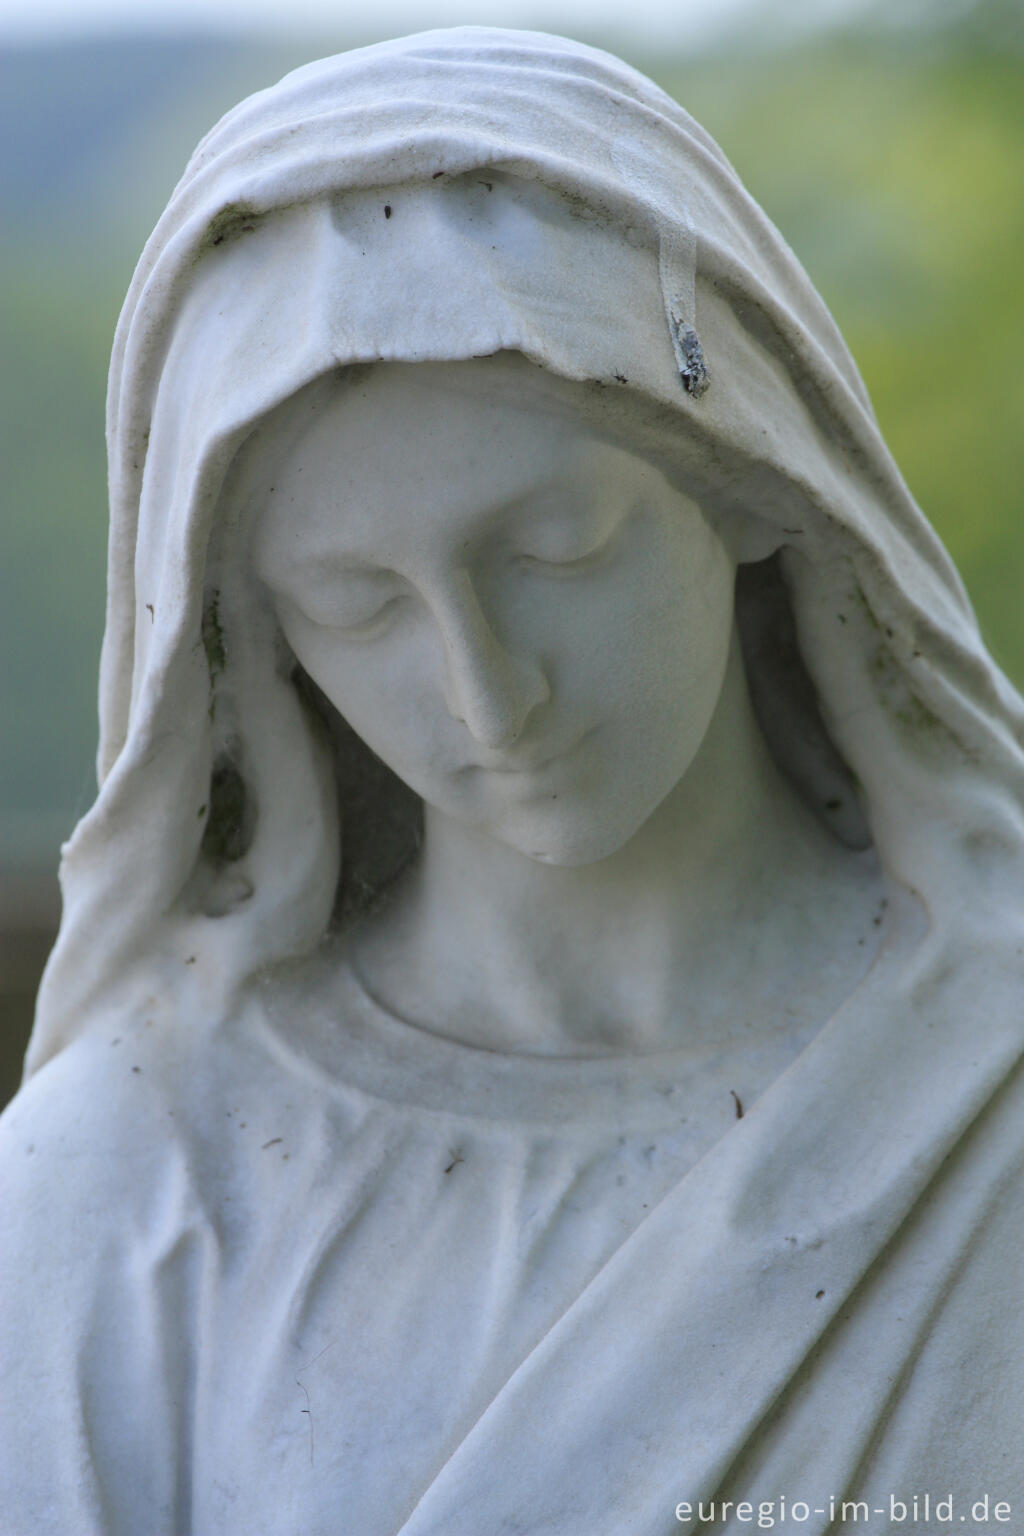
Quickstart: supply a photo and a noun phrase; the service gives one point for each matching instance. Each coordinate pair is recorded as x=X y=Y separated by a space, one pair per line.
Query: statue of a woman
x=532 y=1043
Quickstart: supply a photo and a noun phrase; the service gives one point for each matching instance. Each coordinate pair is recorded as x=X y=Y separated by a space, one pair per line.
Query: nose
x=492 y=691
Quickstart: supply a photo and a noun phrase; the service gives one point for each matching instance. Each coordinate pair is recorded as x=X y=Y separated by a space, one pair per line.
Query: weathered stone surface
x=532 y=1040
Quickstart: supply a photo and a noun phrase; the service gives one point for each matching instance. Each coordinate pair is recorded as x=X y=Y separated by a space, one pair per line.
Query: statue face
x=529 y=625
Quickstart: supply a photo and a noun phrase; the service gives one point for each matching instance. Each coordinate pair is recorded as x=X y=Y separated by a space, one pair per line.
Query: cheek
x=689 y=638
x=385 y=691
x=654 y=647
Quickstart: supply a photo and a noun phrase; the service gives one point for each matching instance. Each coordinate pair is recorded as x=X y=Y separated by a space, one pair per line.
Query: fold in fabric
x=824 y=1304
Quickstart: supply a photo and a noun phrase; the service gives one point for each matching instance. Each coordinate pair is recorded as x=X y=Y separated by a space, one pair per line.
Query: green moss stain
x=229 y=824
x=213 y=636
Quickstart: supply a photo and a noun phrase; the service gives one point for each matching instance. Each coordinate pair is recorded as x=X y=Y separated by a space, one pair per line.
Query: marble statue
x=533 y=1040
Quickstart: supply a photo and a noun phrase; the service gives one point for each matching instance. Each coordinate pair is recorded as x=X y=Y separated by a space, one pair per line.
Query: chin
x=570 y=845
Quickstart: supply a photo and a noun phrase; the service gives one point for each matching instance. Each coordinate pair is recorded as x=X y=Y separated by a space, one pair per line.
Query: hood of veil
x=451 y=195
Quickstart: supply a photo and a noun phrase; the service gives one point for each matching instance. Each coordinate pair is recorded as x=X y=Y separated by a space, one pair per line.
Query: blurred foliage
x=893 y=162
x=891 y=157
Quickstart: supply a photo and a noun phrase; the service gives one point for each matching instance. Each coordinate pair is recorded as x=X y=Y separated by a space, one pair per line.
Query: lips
x=517 y=768
x=527 y=765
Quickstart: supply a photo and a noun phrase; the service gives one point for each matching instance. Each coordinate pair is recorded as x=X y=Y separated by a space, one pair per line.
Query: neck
x=624 y=954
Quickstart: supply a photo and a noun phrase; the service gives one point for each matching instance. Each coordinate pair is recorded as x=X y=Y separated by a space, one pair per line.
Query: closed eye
x=572 y=562
x=372 y=625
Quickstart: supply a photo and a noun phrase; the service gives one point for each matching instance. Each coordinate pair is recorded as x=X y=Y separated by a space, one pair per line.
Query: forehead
x=409 y=454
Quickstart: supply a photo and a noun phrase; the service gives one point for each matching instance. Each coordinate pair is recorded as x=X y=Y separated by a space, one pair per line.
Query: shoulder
x=85 y=1147
x=102 y=1216
x=90 y=1098
x=121 y=1126
x=136 y=1131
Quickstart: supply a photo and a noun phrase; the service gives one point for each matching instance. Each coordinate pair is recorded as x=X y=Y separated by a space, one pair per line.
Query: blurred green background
x=890 y=152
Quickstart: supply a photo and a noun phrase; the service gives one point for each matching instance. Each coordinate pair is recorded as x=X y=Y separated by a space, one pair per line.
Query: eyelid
x=322 y=616
x=368 y=628
x=590 y=557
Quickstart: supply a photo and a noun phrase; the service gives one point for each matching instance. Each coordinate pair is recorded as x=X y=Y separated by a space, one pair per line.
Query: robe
x=334 y=1273
x=271 y=1263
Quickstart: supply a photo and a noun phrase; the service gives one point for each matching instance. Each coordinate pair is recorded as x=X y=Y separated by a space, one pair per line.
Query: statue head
x=525 y=621
x=553 y=377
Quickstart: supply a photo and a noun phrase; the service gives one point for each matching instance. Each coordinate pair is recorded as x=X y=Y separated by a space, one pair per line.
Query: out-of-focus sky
x=680 y=21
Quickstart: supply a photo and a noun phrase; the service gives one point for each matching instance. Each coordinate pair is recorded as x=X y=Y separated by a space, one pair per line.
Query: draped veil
x=541 y=198
x=818 y=1304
